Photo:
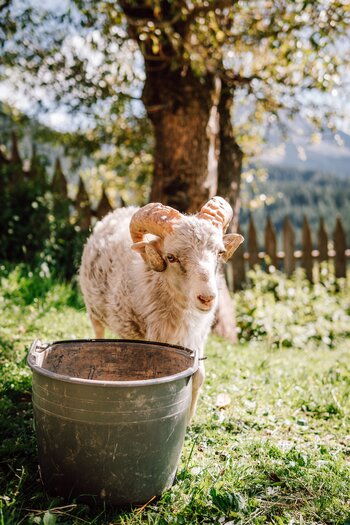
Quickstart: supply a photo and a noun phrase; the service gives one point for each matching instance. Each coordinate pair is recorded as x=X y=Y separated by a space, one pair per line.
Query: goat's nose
x=206 y=299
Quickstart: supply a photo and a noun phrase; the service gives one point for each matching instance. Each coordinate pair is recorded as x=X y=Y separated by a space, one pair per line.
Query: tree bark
x=230 y=157
x=228 y=186
x=193 y=139
x=178 y=104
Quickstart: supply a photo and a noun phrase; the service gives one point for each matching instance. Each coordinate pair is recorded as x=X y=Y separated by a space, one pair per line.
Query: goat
x=151 y=273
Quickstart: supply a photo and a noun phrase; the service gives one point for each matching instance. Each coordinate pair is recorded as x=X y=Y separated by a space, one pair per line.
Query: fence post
x=33 y=165
x=16 y=176
x=252 y=244
x=339 y=238
x=270 y=242
x=104 y=206
x=37 y=171
x=288 y=247
x=306 y=259
x=15 y=156
x=59 y=183
x=4 y=161
x=238 y=266
x=61 y=202
x=3 y=158
x=83 y=207
x=322 y=242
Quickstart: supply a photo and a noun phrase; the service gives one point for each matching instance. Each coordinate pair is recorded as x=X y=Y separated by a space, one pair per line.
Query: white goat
x=159 y=287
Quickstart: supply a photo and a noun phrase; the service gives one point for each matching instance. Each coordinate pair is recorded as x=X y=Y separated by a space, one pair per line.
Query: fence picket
x=83 y=207
x=104 y=206
x=17 y=175
x=339 y=238
x=238 y=266
x=306 y=258
x=15 y=156
x=322 y=242
x=59 y=182
x=33 y=164
x=252 y=244
x=288 y=246
x=270 y=242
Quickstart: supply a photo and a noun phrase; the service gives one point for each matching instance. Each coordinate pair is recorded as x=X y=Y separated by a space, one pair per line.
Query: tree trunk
x=179 y=107
x=195 y=153
x=193 y=139
x=230 y=158
x=229 y=181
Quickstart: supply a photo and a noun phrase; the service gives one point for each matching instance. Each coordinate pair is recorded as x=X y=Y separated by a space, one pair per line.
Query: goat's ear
x=231 y=242
x=139 y=247
x=154 y=258
x=151 y=254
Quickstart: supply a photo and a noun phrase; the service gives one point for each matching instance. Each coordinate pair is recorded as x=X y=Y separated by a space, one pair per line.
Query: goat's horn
x=217 y=211
x=153 y=218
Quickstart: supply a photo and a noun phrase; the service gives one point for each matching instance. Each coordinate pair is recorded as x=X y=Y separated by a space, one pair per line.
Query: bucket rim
x=38 y=348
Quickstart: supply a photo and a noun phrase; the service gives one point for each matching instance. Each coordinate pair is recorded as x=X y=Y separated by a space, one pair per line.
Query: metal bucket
x=110 y=416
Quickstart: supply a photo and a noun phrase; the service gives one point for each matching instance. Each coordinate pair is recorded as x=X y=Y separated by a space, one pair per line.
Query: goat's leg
x=98 y=328
x=197 y=382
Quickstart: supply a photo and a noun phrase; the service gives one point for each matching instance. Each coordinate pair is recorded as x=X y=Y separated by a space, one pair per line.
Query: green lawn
x=277 y=452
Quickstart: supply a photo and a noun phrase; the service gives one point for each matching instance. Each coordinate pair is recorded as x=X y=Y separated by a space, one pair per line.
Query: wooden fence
x=286 y=260
x=247 y=256
x=80 y=206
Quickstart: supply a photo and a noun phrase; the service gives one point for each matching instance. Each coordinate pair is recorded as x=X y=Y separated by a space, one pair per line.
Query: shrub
x=21 y=286
x=34 y=228
x=24 y=223
x=291 y=312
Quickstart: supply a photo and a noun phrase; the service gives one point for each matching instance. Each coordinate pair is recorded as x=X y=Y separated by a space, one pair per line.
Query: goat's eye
x=222 y=252
x=171 y=258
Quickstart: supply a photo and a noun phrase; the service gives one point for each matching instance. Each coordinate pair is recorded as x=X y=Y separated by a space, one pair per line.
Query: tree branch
x=160 y=24
x=213 y=6
x=140 y=16
x=127 y=95
x=232 y=79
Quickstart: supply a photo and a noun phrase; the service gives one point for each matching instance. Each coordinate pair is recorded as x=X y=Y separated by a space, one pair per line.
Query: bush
x=291 y=312
x=35 y=228
x=21 y=286
x=63 y=248
x=24 y=211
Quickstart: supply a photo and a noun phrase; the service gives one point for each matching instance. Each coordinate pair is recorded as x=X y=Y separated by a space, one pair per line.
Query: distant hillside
x=303 y=149
x=297 y=193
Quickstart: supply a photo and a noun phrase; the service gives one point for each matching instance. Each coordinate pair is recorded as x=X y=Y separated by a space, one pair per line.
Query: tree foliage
x=92 y=58
x=87 y=56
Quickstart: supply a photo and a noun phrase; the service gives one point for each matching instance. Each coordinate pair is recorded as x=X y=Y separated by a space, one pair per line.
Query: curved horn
x=153 y=218
x=217 y=211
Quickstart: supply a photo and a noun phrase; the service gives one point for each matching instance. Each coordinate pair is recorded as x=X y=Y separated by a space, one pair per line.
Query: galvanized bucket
x=110 y=416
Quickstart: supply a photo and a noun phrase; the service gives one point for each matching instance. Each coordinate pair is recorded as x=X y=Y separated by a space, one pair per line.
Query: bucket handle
x=35 y=354
x=195 y=365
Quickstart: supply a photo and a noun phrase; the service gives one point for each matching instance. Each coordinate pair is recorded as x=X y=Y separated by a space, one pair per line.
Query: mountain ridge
x=304 y=148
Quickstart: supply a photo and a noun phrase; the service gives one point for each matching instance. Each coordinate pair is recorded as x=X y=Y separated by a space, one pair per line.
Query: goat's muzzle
x=206 y=302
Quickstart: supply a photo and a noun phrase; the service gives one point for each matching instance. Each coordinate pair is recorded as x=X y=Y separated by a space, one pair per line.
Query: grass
x=270 y=442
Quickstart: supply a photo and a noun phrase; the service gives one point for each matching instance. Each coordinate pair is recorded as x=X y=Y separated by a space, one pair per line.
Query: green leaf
x=49 y=519
x=226 y=501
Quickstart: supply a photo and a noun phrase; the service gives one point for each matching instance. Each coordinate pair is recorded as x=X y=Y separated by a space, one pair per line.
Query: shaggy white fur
x=123 y=292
